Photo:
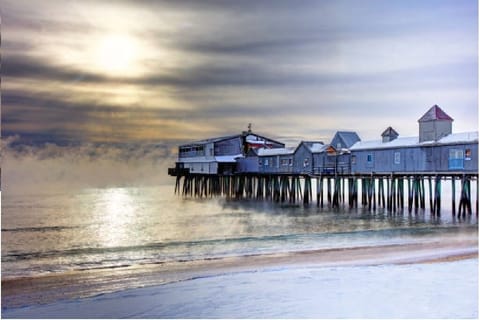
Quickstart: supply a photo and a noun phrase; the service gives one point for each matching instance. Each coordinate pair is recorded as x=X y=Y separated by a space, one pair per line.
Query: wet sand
x=79 y=284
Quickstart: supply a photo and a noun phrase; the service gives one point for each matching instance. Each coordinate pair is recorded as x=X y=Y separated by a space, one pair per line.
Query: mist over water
x=49 y=168
x=103 y=206
x=116 y=227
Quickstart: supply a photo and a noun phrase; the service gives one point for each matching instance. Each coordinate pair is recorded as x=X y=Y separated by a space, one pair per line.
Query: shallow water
x=418 y=291
x=115 y=227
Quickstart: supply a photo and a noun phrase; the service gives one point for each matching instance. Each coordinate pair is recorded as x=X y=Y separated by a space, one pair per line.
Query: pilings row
x=392 y=192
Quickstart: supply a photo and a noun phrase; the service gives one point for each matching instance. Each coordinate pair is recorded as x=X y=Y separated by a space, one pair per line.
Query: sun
x=116 y=54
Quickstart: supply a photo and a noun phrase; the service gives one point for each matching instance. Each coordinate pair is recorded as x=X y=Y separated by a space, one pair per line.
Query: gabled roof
x=313 y=146
x=348 y=137
x=390 y=132
x=218 y=139
x=435 y=113
x=262 y=137
x=210 y=140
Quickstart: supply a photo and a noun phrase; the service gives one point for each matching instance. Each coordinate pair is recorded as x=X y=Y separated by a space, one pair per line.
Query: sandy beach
x=74 y=286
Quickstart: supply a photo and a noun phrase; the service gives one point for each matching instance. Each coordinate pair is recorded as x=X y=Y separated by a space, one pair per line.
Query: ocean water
x=107 y=228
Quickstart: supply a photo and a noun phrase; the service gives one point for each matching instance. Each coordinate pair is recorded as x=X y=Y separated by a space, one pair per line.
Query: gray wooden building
x=436 y=149
x=279 y=160
x=314 y=157
x=344 y=139
x=308 y=156
x=220 y=155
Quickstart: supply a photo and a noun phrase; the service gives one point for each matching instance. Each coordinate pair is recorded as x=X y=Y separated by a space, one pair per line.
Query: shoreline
x=47 y=289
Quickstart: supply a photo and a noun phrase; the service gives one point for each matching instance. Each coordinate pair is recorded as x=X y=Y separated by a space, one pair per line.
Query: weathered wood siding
x=231 y=146
x=248 y=165
x=276 y=163
x=416 y=159
x=302 y=159
x=434 y=130
x=202 y=167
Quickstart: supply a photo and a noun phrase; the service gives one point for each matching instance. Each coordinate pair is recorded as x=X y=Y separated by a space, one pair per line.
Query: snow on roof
x=460 y=137
x=378 y=144
x=435 y=113
x=256 y=141
x=413 y=141
x=317 y=147
x=231 y=158
x=314 y=146
x=275 y=151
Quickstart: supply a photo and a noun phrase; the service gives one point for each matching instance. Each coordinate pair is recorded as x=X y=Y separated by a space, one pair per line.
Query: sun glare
x=116 y=55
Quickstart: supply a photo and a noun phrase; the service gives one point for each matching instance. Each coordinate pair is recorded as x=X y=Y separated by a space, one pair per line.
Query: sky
x=171 y=71
x=100 y=93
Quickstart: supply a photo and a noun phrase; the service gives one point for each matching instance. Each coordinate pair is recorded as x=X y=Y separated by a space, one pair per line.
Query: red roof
x=435 y=113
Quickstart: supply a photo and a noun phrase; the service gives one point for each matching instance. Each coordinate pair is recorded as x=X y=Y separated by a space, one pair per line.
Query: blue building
x=436 y=149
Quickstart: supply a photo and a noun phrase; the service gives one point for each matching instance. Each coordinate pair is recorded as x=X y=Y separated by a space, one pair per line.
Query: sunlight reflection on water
x=101 y=228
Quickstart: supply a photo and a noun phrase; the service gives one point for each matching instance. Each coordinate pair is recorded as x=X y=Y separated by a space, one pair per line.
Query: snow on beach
x=431 y=290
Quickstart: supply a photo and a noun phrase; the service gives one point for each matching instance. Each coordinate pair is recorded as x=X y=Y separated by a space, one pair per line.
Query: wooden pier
x=394 y=192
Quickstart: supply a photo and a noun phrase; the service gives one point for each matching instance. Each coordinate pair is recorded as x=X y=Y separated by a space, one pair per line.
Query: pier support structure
x=385 y=191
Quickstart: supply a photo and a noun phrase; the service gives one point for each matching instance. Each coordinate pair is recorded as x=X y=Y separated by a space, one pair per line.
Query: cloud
x=211 y=66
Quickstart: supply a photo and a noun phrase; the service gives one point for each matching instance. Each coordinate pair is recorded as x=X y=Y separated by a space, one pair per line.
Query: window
x=260 y=162
x=354 y=159
x=285 y=162
x=468 y=154
x=290 y=162
x=369 y=160
x=455 y=159
x=265 y=162
x=396 y=157
x=305 y=162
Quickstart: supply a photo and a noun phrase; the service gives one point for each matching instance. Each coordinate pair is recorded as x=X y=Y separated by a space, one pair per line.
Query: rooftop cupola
x=434 y=124
x=389 y=135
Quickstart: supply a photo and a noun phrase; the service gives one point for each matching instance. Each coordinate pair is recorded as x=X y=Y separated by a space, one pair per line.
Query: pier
x=394 y=192
x=394 y=173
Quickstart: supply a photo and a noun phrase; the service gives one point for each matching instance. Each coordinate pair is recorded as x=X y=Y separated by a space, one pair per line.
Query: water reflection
x=115 y=208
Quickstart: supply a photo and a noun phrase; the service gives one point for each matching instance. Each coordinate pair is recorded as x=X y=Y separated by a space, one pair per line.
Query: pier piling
x=281 y=188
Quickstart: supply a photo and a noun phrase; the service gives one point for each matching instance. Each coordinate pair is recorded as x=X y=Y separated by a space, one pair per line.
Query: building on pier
x=308 y=156
x=436 y=149
x=219 y=155
x=344 y=139
x=278 y=160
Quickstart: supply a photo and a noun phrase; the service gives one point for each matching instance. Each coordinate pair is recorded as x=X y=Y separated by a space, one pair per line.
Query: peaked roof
x=348 y=137
x=390 y=132
x=314 y=146
x=218 y=139
x=435 y=113
x=210 y=140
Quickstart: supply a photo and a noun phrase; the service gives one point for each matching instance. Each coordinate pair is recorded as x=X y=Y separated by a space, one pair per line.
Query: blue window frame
x=369 y=160
x=455 y=159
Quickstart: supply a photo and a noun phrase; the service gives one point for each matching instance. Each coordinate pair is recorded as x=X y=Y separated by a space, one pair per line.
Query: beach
x=442 y=269
x=145 y=253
